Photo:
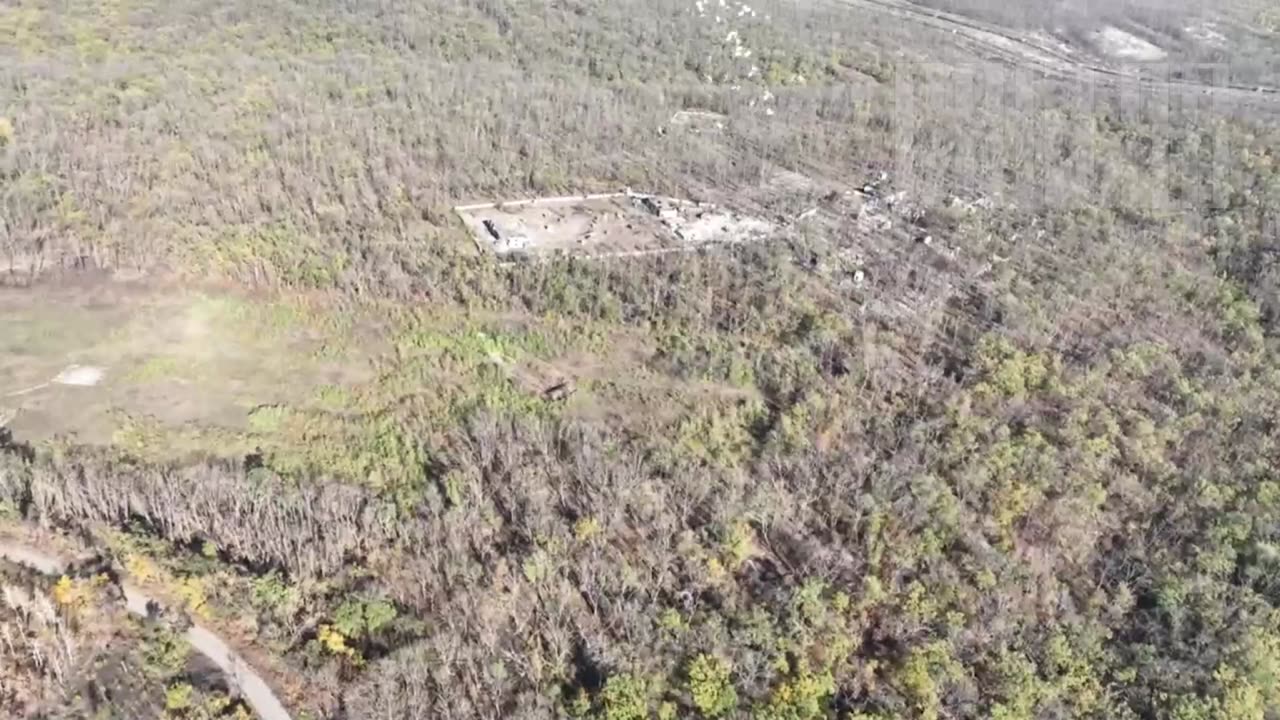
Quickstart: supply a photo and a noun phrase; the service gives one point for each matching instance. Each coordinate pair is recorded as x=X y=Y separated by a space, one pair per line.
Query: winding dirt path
x=252 y=687
x=1025 y=51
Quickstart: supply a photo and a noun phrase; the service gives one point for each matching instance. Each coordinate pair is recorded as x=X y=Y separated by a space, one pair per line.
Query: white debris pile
x=720 y=227
x=734 y=40
x=724 y=9
x=1207 y=34
x=80 y=376
x=764 y=101
x=701 y=223
x=878 y=204
x=971 y=206
x=1122 y=45
x=733 y=18
x=699 y=120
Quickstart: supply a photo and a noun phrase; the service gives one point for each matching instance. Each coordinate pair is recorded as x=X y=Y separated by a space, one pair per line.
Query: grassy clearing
x=353 y=392
x=191 y=364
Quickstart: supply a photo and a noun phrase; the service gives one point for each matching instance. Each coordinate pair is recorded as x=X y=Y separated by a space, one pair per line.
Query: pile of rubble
x=695 y=224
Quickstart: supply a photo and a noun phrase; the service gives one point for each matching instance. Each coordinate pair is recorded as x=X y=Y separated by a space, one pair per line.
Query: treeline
x=305 y=529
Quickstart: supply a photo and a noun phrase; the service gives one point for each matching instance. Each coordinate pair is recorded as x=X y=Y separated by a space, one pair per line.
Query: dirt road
x=1027 y=51
x=255 y=691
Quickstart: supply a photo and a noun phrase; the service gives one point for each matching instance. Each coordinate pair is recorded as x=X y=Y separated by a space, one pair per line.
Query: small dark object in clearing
x=559 y=391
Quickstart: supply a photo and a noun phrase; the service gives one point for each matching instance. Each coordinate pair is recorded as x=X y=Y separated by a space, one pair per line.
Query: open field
x=174 y=359
x=309 y=386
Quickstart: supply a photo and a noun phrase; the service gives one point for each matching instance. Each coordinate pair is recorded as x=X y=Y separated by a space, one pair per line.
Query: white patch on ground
x=1123 y=45
x=699 y=120
x=80 y=376
x=1207 y=34
x=723 y=227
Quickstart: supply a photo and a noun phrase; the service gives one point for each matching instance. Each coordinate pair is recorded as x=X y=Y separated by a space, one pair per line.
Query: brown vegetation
x=1008 y=453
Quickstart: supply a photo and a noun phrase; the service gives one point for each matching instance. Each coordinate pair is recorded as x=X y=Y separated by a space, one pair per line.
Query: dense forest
x=1010 y=453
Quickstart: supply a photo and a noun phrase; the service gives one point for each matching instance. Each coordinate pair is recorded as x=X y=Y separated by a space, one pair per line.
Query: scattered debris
x=733 y=19
x=971 y=206
x=870 y=218
x=871 y=188
x=699 y=120
x=714 y=226
x=1207 y=34
x=507 y=239
x=613 y=224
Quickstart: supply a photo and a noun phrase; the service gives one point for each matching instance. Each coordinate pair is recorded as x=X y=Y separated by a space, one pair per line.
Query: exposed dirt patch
x=1122 y=45
x=605 y=225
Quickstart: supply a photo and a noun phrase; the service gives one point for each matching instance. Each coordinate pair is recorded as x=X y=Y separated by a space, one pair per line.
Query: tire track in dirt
x=255 y=691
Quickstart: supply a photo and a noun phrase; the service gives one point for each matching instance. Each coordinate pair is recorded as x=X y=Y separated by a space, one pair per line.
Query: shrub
x=803 y=696
x=178 y=697
x=624 y=697
x=164 y=652
x=711 y=687
x=334 y=641
x=362 y=618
